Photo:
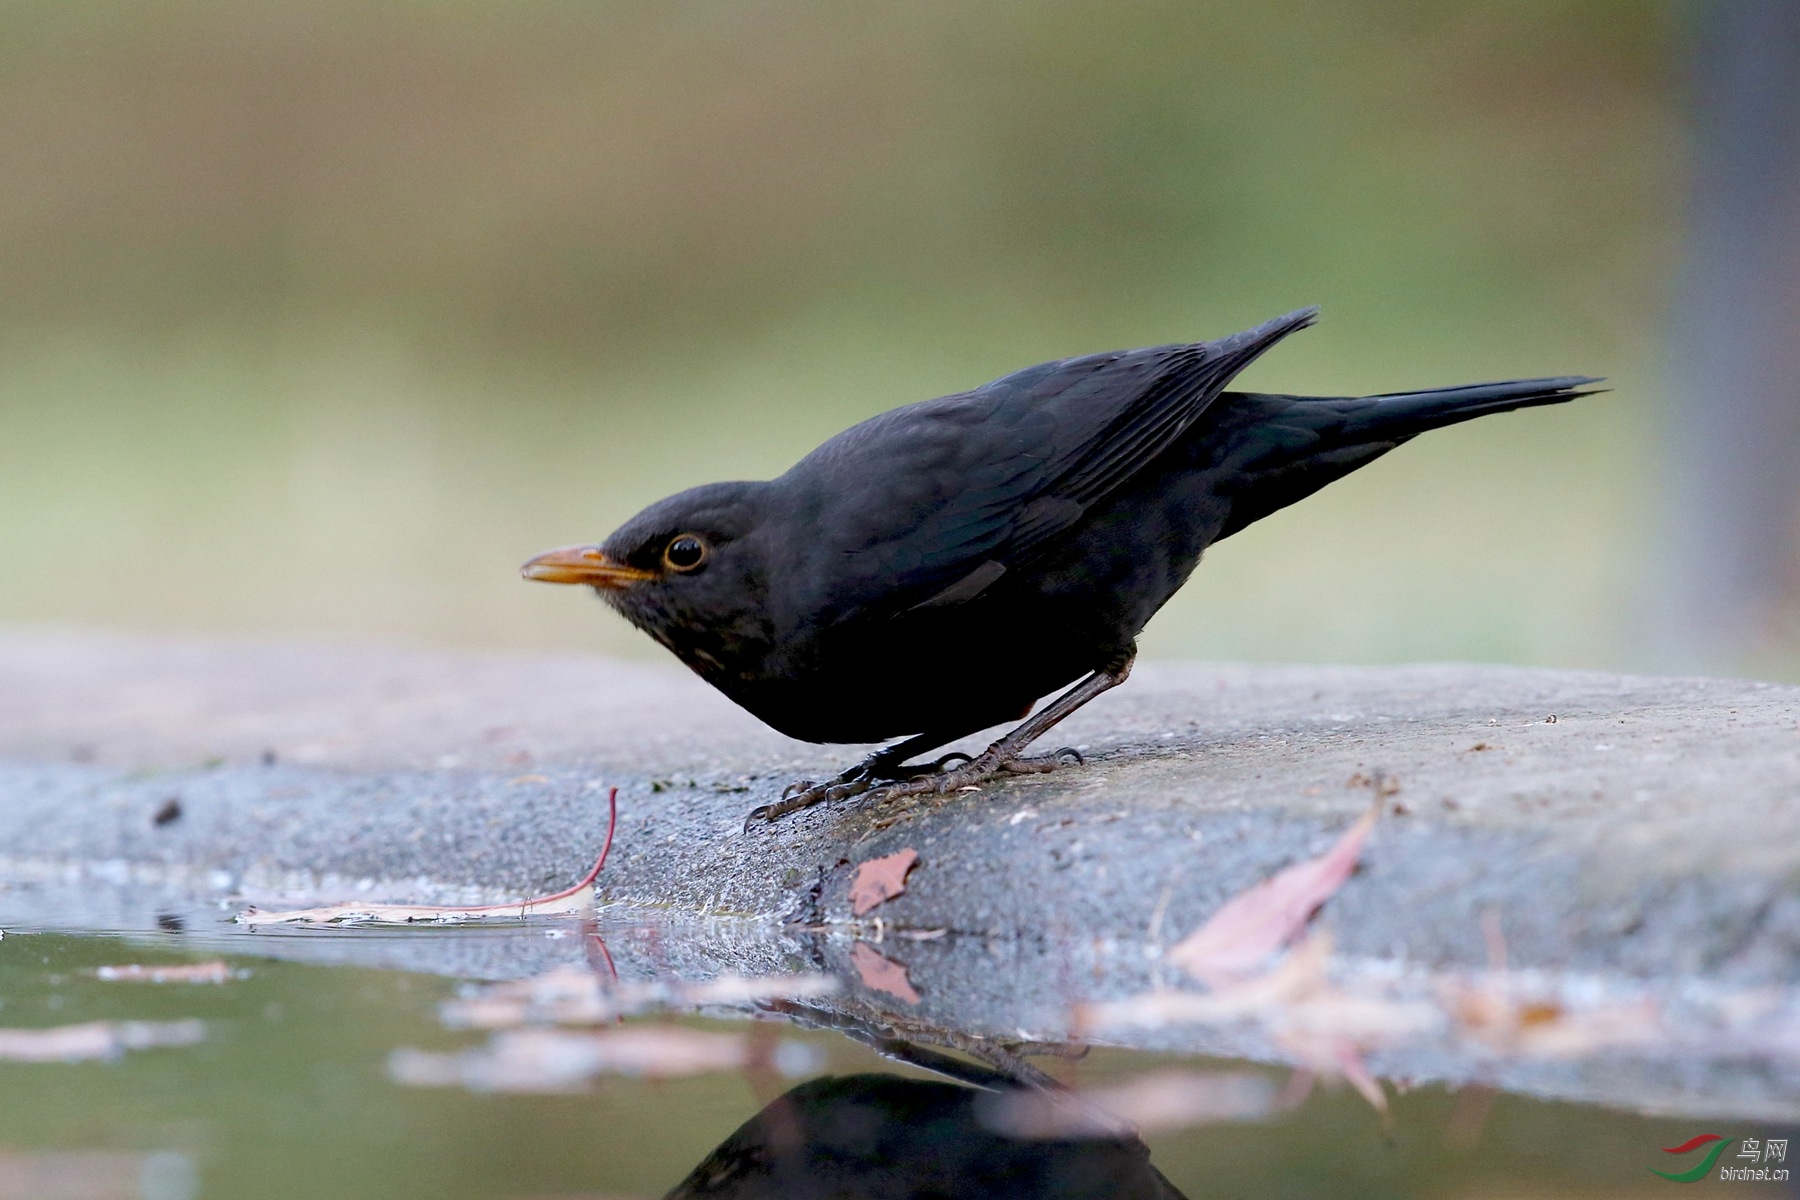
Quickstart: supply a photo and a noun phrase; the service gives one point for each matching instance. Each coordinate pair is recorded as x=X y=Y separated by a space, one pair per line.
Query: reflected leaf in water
x=1149 y=1103
x=571 y=995
x=880 y=973
x=557 y=1060
x=879 y=1136
x=97 y=1175
x=215 y=971
x=95 y=1040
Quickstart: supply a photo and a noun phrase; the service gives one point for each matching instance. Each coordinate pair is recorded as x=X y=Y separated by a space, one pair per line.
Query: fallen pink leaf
x=206 y=972
x=576 y=899
x=880 y=879
x=882 y=974
x=1148 y=1104
x=95 y=1040
x=1241 y=935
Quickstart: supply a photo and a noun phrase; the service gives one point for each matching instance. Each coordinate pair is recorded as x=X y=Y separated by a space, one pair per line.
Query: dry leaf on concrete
x=575 y=899
x=882 y=974
x=1253 y=925
x=415 y=914
x=880 y=879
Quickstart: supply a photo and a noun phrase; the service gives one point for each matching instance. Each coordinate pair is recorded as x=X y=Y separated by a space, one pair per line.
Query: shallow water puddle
x=339 y=1079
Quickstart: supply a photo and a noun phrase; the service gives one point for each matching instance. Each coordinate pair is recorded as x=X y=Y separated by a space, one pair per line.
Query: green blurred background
x=317 y=318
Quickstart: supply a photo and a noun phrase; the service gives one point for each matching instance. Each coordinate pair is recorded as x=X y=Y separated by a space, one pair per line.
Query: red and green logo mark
x=1718 y=1142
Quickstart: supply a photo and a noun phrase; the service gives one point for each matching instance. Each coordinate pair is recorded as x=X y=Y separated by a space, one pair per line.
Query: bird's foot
x=985 y=767
x=804 y=793
x=878 y=780
x=1039 y=764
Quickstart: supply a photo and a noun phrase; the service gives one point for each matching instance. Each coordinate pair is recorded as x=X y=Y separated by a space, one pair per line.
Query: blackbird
x=941 y=567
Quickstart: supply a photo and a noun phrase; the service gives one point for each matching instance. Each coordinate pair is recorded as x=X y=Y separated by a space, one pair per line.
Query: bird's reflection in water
x=883 y=1137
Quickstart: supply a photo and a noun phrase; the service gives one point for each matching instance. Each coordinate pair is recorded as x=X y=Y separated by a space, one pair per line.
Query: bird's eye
x=685 y=553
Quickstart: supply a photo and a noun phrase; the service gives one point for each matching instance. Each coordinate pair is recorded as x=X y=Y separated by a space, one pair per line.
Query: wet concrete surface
x=1641 y=832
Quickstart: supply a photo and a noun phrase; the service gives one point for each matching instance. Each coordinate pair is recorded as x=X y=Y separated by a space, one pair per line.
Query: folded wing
x=929 y=504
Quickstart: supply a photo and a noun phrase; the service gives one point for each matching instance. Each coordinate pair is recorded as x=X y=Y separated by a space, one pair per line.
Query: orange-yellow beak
x=583 y=564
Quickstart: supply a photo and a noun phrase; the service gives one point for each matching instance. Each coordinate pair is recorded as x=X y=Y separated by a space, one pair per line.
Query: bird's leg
x=883 y=773
x=1007 y=754
x=880 y=767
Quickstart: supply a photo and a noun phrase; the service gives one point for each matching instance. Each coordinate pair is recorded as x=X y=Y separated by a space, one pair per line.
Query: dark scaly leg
x=880 y=767
x=1005 y=756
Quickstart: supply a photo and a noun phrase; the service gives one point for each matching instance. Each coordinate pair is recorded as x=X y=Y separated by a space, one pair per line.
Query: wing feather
x=949 y=494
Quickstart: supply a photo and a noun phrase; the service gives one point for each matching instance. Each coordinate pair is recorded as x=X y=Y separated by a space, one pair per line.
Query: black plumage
x=881 y=1137
x=939 y=568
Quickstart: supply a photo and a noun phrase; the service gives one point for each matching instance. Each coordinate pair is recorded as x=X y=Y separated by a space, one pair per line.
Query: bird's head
x=689 y=570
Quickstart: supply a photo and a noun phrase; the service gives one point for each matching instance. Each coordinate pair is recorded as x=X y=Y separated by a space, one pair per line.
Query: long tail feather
x=1403 y=414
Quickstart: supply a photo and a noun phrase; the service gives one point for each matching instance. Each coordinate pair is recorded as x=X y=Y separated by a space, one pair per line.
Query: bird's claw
x=983 y=768
x=872 y=783
x=804 y=793
x=1066 y=756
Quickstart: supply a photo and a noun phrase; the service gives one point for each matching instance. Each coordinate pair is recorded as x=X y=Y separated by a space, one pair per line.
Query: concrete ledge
x=1650 y=829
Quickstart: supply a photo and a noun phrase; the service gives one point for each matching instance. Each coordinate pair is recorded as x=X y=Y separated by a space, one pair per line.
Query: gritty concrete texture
x=1650 y=827
x=1641 y=832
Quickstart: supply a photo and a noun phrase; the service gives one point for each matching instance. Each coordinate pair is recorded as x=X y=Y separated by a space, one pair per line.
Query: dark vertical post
x=1731 y=599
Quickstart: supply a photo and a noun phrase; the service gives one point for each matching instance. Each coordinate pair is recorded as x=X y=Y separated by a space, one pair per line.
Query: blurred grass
x=321 y=317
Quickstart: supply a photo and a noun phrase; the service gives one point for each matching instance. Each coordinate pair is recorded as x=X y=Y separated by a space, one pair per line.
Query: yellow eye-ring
x=685 y=553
